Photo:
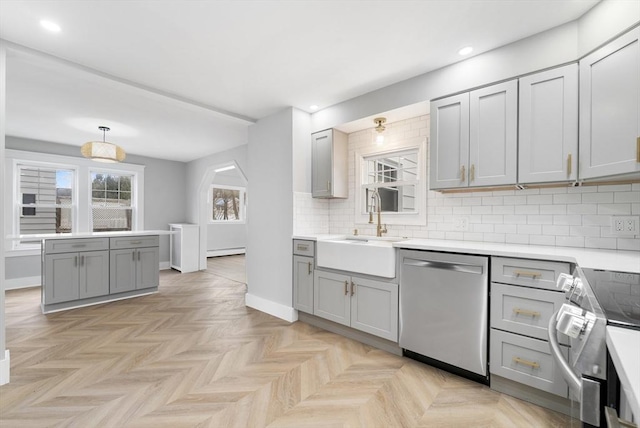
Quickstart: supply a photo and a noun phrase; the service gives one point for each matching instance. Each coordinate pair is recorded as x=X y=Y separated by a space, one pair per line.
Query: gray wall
x=164 y=197
x=270 y=211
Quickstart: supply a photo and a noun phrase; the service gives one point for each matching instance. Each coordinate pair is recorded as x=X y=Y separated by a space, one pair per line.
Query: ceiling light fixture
x=102 y=151
x=379 y=130
x=49 y=25
x=313 y=107
x=465 y=50
x=225 y=168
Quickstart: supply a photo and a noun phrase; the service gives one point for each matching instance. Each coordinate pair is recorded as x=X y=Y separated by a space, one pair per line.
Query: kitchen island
x=91 y=268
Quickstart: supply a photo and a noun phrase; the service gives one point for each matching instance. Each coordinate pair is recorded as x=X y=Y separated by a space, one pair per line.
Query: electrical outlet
x=461 y=224
x=625 y=225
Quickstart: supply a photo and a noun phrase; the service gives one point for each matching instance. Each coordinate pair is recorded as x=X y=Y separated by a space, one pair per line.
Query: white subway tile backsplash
x=622 y=197
x=563 y=216
x=569 y=198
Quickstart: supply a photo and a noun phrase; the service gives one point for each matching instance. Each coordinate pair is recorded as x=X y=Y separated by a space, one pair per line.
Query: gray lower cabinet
x=523 y=299
x=70 y=274
x=303 y=283
x=136 y=267
x=364 y=304
x=90 y=270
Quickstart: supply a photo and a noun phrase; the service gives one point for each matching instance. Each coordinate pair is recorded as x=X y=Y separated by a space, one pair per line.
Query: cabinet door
x=94 y=274
x=493 y=120
x=449 y=144
x=61 y=278
x=122 y=271
x=321 y=163
x=303 y=283
x=374 y=307
x=331 y=298
x=610 y=108
x=147 y=267
x=548 y=126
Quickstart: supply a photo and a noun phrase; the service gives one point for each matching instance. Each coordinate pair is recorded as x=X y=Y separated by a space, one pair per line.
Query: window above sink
x=399 y=177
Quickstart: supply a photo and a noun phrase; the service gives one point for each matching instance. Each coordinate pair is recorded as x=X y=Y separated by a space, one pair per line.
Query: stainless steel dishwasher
x=444 y=301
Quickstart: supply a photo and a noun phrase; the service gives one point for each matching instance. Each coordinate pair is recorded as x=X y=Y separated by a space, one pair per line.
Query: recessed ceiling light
x=49 y=25
x=466 y=50
x=313 y=107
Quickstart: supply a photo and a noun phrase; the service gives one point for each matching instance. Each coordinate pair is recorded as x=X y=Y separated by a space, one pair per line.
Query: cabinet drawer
x=303 y=248
x=134 y=242
x=53 y=246
x=524 y=310
x=526 y=360
x=530 y=273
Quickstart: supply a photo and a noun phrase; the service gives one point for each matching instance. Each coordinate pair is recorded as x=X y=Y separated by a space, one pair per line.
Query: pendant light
x=379 y=130
x=102 y=151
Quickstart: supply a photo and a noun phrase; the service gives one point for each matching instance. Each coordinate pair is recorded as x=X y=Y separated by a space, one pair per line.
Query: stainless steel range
x=595 y=298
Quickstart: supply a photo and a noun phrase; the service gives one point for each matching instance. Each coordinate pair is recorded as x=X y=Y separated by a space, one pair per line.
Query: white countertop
x=624 y=346
x=89 y=234
x=615 y=260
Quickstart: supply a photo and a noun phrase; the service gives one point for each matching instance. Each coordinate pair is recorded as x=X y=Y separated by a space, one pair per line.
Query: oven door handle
x=574 y=382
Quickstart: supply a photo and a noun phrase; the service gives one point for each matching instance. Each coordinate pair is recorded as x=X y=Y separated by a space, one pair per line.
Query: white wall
x=4 y=354
x=605 y=21
x=270 y=211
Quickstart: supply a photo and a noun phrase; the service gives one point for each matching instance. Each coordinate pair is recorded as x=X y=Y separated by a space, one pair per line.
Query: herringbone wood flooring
x=193 y=355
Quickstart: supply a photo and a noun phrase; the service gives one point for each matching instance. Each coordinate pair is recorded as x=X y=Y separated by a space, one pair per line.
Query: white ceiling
x=232 y=61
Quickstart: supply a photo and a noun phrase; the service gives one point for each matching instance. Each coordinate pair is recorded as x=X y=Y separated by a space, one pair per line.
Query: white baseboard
x=25 y=282
x=165 y=265
x=228 y=252
x=5 y=365
x=270 y=307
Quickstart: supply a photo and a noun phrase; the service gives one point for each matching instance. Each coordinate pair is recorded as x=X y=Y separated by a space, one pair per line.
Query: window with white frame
x=398 y=177
x=45 y=199
x=227 y=203
x=52 y=194
x=111 y=196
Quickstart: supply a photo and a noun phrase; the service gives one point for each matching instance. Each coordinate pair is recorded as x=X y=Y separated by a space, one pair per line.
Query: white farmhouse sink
x=369 y=255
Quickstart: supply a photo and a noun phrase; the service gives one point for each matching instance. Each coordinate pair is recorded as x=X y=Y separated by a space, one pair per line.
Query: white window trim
x=243 y=204
x=82 y=168
x=419 y=217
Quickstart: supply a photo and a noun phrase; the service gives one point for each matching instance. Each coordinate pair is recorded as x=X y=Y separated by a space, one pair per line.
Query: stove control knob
x=578 y=292
x=571 y=321
x=565 y=283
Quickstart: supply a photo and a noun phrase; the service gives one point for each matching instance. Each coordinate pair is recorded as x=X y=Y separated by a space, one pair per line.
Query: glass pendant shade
x=102 y=151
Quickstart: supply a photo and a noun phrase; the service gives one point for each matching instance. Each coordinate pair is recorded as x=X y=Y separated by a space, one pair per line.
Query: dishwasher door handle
x=451 y=266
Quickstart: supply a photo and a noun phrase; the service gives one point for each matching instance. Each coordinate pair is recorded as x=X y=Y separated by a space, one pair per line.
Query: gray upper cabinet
x=610 y=108
x=474 y=138
x=493 y=135
x=548 y=126
x=449 y=151
x=329 y=169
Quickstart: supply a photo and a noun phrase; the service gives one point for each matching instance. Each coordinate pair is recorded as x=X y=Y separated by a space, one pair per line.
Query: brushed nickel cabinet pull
x=462 y=174
x=528 y=312
x=328 y=186
x=353 y=288
x=81 y=260
x=472 y=172
x=533 y=275
x=78 y=245
x=309 y=268
x=75 y=261
x=569 y=164
x=532 y=364
x=302 y=247
x=138 y=255
x=133 y=255
x=346 y=288
x=136 y=242
x=638 y=149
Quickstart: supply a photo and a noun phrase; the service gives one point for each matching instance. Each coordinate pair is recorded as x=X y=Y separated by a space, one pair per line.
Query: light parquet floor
x=193 y=355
